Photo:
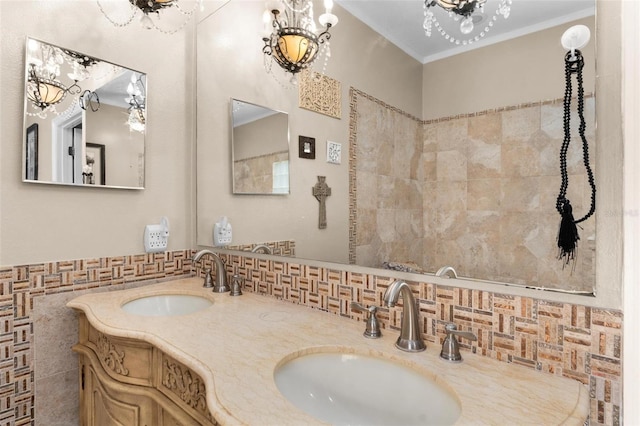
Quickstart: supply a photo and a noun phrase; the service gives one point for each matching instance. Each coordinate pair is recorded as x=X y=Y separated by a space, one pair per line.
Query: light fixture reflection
x=290 y=38
x=463 y=11
x=150 y=11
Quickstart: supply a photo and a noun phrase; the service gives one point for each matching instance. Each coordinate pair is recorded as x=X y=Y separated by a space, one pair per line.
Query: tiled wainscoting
x=571 y=340
x=575 y=341
x=23 y=286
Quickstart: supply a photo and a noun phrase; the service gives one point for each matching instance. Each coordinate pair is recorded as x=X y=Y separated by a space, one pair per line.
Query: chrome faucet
x=262 y=248
x=409 y=339
x=447 y=271
x=220 y=285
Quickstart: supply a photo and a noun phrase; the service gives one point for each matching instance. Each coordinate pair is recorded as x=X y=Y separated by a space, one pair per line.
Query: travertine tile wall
x=255 y=175
x=575 y=341
x=483 y=193
x=572 y=340
x=386 y=177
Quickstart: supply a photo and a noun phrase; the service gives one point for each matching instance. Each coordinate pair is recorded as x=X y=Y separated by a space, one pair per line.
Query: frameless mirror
x=84 y=120
x=473 y=187
x=260 y=149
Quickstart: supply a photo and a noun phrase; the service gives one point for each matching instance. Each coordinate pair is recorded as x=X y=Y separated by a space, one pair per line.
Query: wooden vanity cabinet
x=132 y=383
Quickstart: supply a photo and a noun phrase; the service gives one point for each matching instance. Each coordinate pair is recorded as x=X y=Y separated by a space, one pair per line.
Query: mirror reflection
x=84 y=119
x=456 y=164
x=260 y=149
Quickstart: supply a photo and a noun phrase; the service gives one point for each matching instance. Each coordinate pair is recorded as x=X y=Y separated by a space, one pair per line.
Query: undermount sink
x=166 y=305
x=345 y=389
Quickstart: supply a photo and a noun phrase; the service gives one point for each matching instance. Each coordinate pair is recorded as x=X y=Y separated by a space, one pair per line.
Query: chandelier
x=43 y=87
x=463 y=11
x=290 y=38
x=149 y=8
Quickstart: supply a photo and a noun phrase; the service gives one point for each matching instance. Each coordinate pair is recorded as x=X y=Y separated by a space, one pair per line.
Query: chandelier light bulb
x=328 y=5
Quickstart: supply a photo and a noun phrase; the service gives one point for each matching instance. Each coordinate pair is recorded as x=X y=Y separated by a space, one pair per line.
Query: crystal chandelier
x=290 y=37
x=43 y=87
x=462 y=11
x=149 y=8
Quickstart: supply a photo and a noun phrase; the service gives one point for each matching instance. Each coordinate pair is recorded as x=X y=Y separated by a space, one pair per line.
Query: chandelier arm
x=325 y=35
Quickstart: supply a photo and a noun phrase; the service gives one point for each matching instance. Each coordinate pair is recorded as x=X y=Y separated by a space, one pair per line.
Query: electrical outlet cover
x=156 y=238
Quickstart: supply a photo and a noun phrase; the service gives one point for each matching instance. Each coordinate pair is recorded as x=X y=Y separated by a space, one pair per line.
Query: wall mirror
x=84 y=120
x=259 y=149
x=232 y=36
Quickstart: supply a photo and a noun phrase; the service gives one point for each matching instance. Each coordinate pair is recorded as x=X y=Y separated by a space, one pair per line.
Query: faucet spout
x=409 y=339
x=262 y=248
x=447 y=271
x=220 y=285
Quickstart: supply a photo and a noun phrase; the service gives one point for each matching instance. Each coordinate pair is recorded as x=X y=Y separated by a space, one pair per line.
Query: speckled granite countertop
x=235 y=345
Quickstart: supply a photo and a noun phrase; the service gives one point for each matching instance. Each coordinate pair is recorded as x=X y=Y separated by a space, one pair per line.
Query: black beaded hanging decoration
x=568 y=234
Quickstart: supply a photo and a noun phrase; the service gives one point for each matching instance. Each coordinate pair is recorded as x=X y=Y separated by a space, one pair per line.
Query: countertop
x=236 y=344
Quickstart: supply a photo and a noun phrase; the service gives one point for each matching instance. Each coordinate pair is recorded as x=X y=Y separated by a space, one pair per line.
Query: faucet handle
x=450 y=347
x=208 y=279
x=372 y=330
x=236 y=285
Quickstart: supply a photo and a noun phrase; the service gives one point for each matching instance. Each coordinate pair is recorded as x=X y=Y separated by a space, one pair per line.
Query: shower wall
x=477 y=192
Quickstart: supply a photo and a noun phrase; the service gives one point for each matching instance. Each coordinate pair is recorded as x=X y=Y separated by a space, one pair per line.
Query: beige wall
x=526 y=69
x=232 y=37
x=122 y=146
x=44 y=222
x=261 y=137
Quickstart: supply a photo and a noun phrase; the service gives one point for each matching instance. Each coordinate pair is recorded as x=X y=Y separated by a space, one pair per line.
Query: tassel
x=567 y=235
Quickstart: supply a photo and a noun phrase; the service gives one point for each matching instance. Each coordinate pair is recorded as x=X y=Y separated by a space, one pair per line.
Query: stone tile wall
x=476 y=192
x=255 y=175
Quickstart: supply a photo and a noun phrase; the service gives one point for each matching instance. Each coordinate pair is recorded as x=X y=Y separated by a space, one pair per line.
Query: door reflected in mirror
x=260 y=149
x=84 y=120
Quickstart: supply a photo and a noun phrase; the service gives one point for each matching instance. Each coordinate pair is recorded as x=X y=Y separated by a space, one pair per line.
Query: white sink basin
x=166 y=305
x=346 y=389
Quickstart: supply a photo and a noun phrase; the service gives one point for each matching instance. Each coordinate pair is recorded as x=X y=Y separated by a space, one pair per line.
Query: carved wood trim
x=110 y=355
x=185 y=384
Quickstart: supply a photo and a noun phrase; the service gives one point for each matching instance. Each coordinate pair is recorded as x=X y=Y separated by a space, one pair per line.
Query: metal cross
x=321 y=191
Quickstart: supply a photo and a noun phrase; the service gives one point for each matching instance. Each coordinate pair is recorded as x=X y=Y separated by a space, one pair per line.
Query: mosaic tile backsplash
x=576 y=341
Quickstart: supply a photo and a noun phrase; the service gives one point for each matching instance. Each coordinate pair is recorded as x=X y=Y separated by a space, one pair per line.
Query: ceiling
x=400 y=22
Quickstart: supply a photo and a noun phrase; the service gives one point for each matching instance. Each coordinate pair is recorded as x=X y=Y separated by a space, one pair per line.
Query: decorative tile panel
x=321 y=94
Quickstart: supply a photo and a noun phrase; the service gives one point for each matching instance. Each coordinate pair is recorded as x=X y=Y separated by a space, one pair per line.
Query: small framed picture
x=306 y=147
x=31 y=152
x=334 y=152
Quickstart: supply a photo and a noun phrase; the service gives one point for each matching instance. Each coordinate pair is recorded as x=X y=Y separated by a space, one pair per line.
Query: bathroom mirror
x=387 y=110
x=259 y=148
x=84 y=119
